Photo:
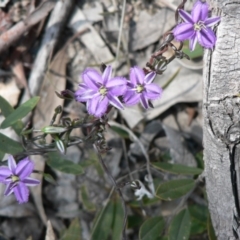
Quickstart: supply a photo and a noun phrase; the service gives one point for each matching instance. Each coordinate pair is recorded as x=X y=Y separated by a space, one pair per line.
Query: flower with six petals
x=196 y=27
x=140 y=88
x=16 y=177
x=98 y=91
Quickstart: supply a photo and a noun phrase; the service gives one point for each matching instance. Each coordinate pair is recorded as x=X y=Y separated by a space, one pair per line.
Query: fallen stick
x=14 y=33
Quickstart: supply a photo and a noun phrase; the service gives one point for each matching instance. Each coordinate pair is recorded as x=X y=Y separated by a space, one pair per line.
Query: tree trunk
x=221 y=109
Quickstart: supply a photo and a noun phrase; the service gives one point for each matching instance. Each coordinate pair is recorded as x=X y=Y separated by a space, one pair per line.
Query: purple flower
x=140 y=88
x=16 y=177
x=196 y=27
x=98 y=91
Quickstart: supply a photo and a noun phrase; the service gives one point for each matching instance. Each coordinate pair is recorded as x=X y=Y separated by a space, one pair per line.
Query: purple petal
x=4 y=173
x=144 y=101
x=89 y=94
x=199 y=11
x=21 y=192
x=117 y=86
x=129 y=94
x=206 y=38
x=107 y=74
x=82 y=88
x=186 y=16
x=114 y=101
x=92 y=78
x=31 y=181
x=9 y=189
x=211 y=21
x=11 y=163
x=117 y=81
x=136 y=75
x=183 y=31
x=153 y=91
x=150 y=77
x=97 y=106
x=131 y=98
x=193 y=42
x=24 y=168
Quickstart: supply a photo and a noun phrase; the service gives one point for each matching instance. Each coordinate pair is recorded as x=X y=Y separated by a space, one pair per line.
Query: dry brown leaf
x=43 y=114
x=10 y=91
x=50 y=233
x=18 y=70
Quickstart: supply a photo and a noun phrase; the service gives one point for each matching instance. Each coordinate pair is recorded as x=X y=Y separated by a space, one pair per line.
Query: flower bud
x=53 y=129
x=60 y=145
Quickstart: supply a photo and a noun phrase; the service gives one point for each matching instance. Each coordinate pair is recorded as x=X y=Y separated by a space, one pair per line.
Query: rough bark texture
x=222 y=117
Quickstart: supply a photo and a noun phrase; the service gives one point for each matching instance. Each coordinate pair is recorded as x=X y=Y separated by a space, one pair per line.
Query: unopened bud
x=60 y=145
x=53 y=129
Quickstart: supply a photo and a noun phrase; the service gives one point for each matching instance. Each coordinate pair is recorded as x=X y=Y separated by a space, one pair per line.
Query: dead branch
x=14 y=33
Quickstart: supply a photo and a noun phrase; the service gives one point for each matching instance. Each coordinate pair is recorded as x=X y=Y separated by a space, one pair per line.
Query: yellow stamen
x=15 y=178
x=140 y=88
x=103 y=91
x=198 y=26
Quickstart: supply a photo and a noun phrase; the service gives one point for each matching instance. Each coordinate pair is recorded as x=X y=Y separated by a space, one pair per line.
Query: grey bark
x=222 y=117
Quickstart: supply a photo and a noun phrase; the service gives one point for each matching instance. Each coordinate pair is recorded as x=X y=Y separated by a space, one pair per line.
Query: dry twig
x=14 y=33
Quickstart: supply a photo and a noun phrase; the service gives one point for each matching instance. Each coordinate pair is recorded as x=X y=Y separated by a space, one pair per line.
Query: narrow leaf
x=210 y=229
x=73 y=232
x=120 y=131
x=20 y=112
x=7 y=145
x=57 y=161
x=109 y=222
x=199 y=212
x=199 y=215
x=177 y=168
x=49 y=178
x=117 y=220
x=174 y=189
x=198 y=51
x=103 y=223
x=151 y=228
x=1 y=155
x=180 y=226
x=6 y=110
x=85 y=200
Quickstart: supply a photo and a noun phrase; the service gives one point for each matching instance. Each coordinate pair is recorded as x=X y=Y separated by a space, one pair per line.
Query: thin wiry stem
x=134 y=137
x=117 y=188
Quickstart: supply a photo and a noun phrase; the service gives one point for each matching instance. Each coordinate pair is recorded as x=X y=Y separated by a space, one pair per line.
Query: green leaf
x=1 y=155
x=197 y=227
x=180 y=226
x=199 y=215
x=199 y=159
x=199 y=212
x=109 y=222
x=151 y=228
x=49 y=178
x=117 y=225
x=73 y=232
x=211 y=232
x=7 y=145
x=134 y=221
x=85 y=200
x=174 y=189
x=57 y=161
x=177 y=168
x=6 y=110
x=198 y=51
x=20 y=112
x=120 y=131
